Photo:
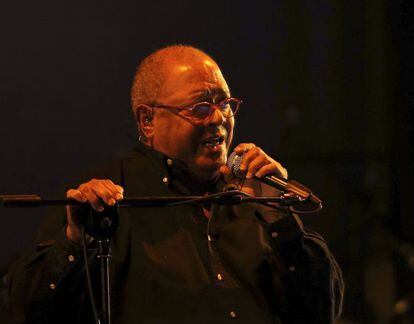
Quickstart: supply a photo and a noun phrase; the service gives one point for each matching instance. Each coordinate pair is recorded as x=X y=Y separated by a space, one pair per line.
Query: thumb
x=76 y=194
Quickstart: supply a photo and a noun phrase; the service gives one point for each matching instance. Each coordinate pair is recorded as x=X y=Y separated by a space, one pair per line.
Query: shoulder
x=124 y=165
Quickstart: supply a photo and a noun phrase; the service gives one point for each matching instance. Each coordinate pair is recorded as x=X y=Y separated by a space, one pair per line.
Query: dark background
x=327 y=89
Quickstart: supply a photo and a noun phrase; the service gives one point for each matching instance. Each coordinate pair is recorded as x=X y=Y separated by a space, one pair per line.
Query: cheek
x=230 y=128
x=177 y=138
x=187 y=139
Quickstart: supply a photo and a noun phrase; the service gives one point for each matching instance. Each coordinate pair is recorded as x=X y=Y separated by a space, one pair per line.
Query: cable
x=88 y=277
x=304 y=212
x=209 y=197
x=244 y=197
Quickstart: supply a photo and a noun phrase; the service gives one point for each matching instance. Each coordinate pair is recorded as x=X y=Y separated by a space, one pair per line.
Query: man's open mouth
x=213 y=141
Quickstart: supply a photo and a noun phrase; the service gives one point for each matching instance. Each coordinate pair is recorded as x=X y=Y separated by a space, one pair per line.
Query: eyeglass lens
x=203 y=110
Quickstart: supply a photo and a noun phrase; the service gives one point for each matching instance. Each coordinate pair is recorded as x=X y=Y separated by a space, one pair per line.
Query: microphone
x=288 y=186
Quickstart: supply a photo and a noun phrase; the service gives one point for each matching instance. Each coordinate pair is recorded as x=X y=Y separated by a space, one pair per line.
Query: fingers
x=243 y=148
x=116 y=191
x=254 y=154
x=272 y=169
x=257 y=163
x=94 y=193
x=97 y=192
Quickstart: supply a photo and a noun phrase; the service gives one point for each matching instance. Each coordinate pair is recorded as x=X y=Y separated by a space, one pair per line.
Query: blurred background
x=328 y=90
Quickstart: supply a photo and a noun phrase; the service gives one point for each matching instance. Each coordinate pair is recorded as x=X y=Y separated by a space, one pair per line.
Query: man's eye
x=202 y=110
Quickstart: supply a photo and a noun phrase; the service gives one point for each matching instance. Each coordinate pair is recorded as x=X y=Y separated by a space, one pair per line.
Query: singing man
x=206 y=263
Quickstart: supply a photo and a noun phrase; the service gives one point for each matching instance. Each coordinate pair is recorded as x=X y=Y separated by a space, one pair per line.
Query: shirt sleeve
x=48 y=283
x=313 y=279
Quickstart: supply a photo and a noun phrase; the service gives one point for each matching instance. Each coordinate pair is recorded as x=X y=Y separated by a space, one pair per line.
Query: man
x=198 y=264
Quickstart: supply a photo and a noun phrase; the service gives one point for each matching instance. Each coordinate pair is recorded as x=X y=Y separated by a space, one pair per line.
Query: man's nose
x=216 y=118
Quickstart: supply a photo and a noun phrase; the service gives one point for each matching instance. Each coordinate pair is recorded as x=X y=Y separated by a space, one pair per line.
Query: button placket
x=222 y=278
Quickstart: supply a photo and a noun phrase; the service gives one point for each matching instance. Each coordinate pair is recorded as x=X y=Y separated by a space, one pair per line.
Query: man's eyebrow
x=216 y=93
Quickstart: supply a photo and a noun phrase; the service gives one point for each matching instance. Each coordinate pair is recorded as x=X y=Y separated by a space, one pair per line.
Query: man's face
x=201 y=146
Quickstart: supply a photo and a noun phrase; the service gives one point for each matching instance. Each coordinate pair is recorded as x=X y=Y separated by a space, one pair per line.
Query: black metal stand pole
x=104 y=255
x=102 y=226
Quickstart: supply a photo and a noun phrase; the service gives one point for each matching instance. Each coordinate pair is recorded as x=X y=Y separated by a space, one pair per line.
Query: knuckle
x=106 y=195
x=275 y=170
x=110 y=183
x=94 y=181
x=258 y=150
x=85 y=185
x=71 y=193
x=264 y=158
x=84 y=188
x=255 y=151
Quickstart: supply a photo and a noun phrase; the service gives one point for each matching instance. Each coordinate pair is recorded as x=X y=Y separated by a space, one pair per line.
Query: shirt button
x=71 y=258
x=233 y=314
x=165 y=179
x=274 y=234
x=220 y=277
x=292 y=268
x=52 y=286
x=170 y=162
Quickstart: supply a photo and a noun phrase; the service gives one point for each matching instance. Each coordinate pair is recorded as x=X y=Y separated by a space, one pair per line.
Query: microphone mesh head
x=233 y=162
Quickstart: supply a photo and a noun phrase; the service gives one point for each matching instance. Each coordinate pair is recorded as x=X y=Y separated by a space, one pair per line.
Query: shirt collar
x=173 y=172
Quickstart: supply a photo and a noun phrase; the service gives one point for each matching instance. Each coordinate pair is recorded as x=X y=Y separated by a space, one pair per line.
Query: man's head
x=180 y=76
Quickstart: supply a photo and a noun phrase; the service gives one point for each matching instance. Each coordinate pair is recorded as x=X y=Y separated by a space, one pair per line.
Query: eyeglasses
x=202 y=110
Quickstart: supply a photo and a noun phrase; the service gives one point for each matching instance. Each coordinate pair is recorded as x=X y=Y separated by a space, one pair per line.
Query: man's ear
x=144 y=118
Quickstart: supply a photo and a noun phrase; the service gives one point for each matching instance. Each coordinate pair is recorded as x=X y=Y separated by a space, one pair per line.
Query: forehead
x=191 y=80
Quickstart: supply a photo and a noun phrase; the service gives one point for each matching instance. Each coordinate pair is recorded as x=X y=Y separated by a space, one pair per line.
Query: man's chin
x=207 y=168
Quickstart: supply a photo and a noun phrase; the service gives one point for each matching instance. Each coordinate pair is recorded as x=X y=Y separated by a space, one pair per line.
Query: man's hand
x=255 y=163
x=96 y=192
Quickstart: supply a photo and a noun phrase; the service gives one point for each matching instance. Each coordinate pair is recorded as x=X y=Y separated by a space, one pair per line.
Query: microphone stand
x=103 y=225
x=232 y=197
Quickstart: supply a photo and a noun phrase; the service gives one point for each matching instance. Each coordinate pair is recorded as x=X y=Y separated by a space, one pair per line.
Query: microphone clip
x=102 y=225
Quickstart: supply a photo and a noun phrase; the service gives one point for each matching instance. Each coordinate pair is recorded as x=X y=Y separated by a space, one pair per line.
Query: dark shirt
x=174 y=265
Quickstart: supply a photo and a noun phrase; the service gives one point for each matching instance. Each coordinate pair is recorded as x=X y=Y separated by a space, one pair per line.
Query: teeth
x=214 y=141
